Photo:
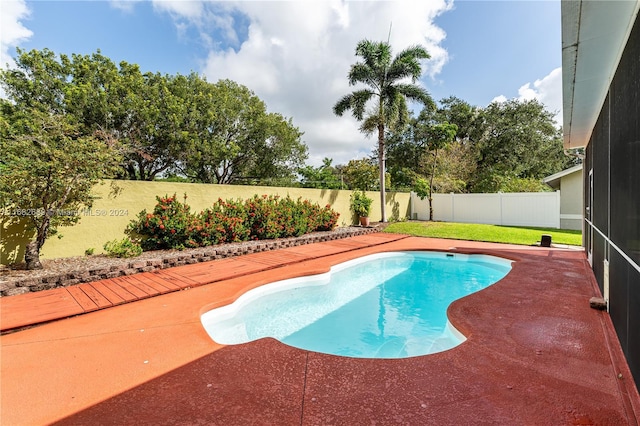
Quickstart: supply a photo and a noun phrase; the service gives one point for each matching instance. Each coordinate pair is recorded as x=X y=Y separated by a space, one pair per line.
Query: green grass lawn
x=488 y=233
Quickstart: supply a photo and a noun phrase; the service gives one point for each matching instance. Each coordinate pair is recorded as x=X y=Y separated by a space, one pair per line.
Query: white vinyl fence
x=538 y=209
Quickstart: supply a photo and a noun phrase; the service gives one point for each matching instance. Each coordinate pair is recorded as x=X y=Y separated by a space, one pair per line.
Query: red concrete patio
x=134 y=351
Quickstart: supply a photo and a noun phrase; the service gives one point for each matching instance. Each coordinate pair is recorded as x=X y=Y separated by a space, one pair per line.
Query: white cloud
x=547 y=90
x=123 y=5
x=203 y=15
x=296 y=56
x=499 y=99
x=183 y=9
x=12 y=30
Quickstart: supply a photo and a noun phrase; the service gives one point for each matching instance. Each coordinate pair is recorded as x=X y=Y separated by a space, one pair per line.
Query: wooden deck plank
x=189 y=271
x=33 y=308
x=323 y=249
x=176 y=281
x=128 y=286
x=138 y=280
x=282 y=256
x=195 y=271
x=340 y=248
x=106 y=290
x=82 y=298
x=98 y=298
x=185 y=274
x=124 y=294
x=379 y=237
x=234 y=269
x=149 y=290
x=343 y=243
x=178 y=277
x=159 y=280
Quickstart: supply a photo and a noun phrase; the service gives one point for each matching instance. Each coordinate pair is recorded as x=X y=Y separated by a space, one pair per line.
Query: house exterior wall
x=571 y=205
x=612 y=200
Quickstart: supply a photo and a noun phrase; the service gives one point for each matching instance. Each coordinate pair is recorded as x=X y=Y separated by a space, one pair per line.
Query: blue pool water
x=390 y=305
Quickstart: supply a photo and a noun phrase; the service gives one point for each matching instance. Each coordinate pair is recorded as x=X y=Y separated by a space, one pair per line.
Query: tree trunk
x=131 y=170
x=433 y=173
x=382 y=170
x=430 y=208
x=32 y=256
x=32 y=251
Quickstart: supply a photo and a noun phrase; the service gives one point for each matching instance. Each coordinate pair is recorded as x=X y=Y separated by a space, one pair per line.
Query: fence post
x=558 y=224
x=411 y=208
x=453 y=207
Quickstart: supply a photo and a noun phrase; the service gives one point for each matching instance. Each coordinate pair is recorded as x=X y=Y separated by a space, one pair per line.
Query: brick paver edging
x=204 y=254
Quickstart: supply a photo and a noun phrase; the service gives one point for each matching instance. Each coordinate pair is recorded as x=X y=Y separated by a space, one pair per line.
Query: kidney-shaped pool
x=389 y=305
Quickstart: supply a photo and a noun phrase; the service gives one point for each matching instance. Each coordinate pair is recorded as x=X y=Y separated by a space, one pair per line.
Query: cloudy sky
x=295 y=55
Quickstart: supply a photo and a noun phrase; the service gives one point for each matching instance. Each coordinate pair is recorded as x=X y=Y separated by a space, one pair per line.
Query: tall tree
x=516 y=140
x=38 y=81
x=232 y=136
x=47 y=171
x=385 y=77
x=209 y=132
x=437 y=136
x=362 y=174
x=454 y=110
x=122 y=104
x=457 y=166
x=325 y=176
x=152 y=123
x=90 y=93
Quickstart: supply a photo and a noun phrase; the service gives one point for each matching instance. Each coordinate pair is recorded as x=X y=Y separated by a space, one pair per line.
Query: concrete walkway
x=535 y=354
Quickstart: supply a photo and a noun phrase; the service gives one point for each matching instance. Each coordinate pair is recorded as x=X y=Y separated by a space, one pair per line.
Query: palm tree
x=384 y=77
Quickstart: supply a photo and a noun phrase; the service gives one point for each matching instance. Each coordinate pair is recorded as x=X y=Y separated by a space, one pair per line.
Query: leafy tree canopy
x=47 y=171
x=231 y=136
x=219 y=133
x=362 y=175
x=516 y=140
x=325 y=176
x=506 y=147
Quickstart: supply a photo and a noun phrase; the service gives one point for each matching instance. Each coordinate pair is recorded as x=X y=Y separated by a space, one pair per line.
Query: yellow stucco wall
x=109 y=217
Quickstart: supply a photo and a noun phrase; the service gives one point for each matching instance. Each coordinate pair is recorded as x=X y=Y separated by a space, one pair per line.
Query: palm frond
x=416 y=93
x=415 y=52
x=342 y=105
x=359 y=102
x=362 y=73
x=403 y=116
x=396 y=113
x=383 y=76
x=407 y=63
x=374 y=53
x=370 y=124
x=355 y=101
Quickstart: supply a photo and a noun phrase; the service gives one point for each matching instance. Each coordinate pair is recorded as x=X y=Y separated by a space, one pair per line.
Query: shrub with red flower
x=165 y=228
x=172 y=225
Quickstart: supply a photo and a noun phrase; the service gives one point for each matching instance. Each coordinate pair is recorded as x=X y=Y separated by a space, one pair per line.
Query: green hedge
x=172 y=225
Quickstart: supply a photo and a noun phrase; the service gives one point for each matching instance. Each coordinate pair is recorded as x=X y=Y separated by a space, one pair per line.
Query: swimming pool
x=389 y=305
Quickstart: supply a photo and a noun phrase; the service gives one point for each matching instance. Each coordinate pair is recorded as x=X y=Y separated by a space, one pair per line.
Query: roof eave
x=594 y=34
